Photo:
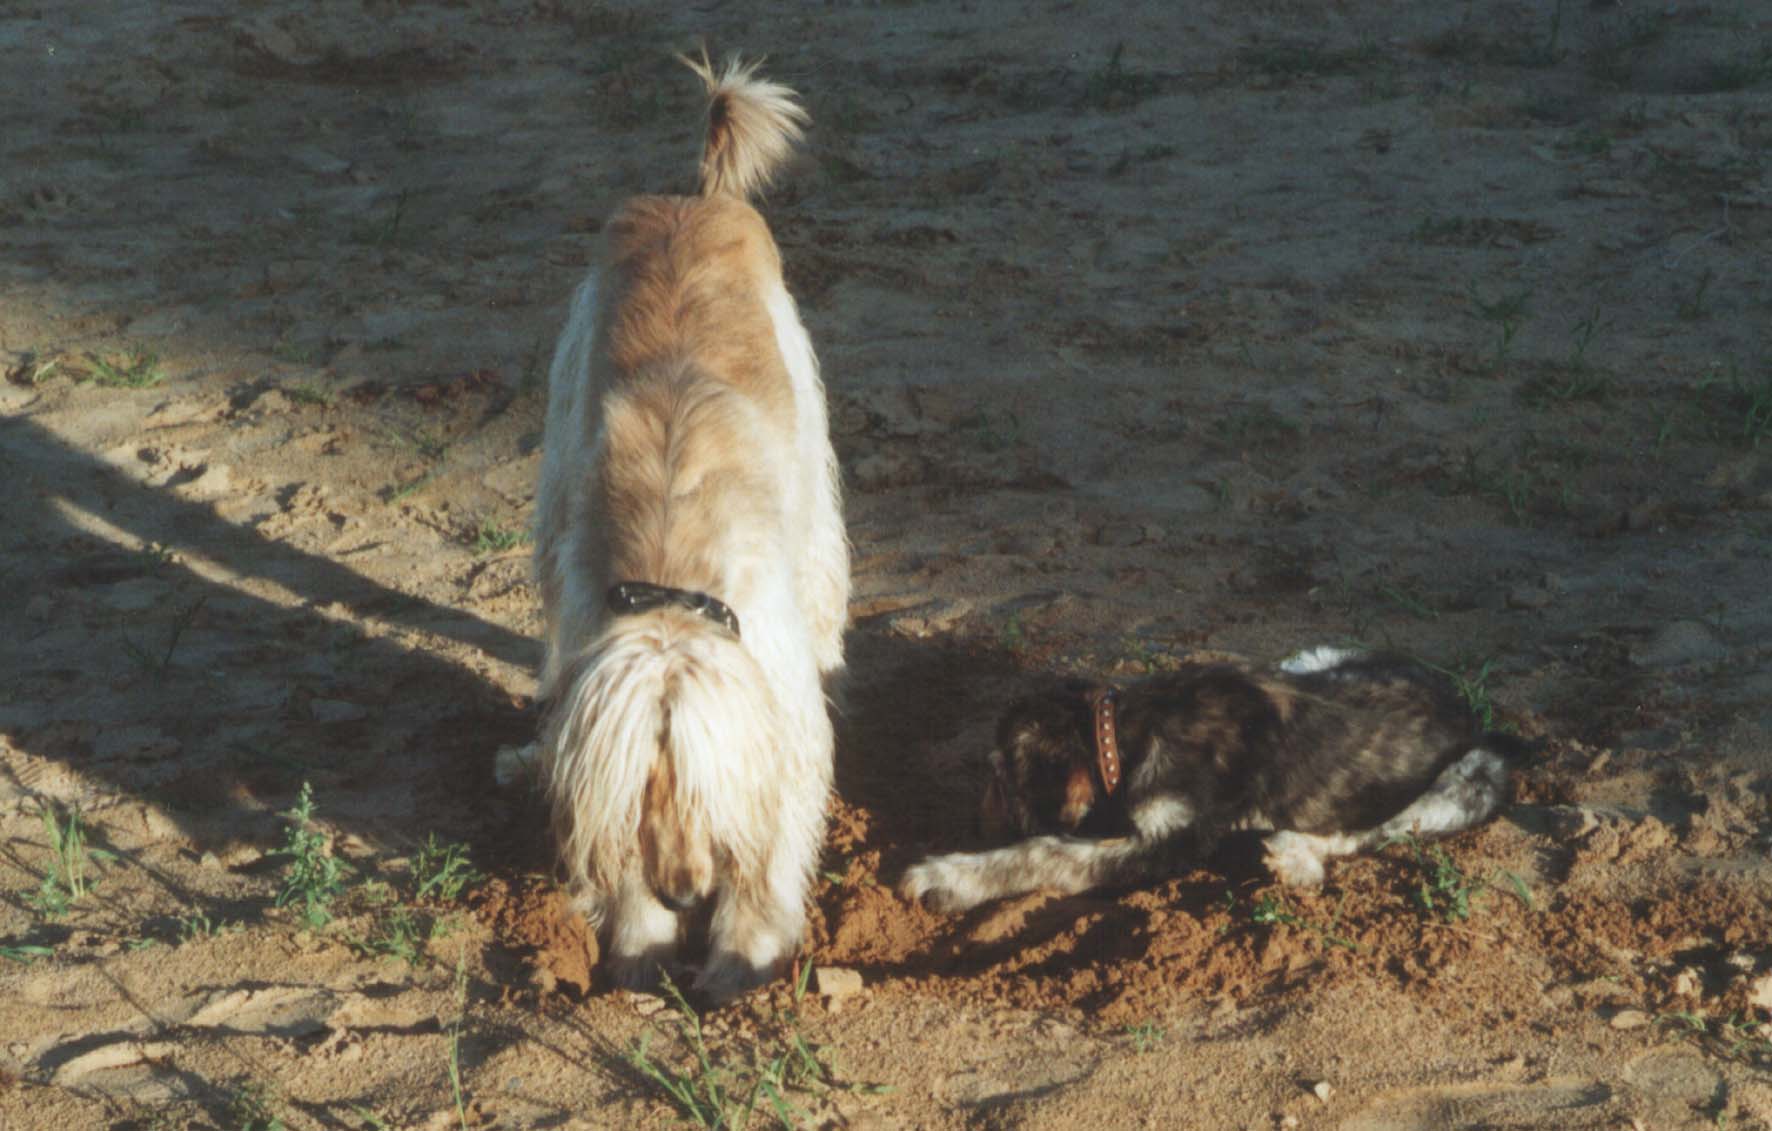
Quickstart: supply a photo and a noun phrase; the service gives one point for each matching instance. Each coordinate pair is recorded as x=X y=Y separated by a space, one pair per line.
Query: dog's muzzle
x=642 y=596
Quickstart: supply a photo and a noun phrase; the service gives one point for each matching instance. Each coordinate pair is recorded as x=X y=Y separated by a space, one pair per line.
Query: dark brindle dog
x=1337 y=751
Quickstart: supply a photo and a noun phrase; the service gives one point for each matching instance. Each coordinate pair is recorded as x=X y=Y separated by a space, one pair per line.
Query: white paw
x=941 y=883
x=1294 y=859
x=1318 y=659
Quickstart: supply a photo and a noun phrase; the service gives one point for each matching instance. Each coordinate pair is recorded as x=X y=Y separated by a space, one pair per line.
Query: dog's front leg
x=643 y=934
x=755 y=929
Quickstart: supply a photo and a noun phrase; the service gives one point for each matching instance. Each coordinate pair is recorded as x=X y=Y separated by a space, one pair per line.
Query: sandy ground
x=1151 y=330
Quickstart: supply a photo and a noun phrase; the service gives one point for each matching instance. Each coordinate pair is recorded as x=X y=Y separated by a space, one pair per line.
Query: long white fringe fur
x=686 y=445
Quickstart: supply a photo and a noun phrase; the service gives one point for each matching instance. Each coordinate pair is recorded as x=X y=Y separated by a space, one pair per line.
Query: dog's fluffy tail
x=752 y=127
x=1067 y=865
x=648 y=749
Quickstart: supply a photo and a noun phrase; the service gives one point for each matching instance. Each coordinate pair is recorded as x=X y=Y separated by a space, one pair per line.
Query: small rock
x=836 y=981
x=1678 y=644
x=1529 y=597
x=1609 y=188
x=207 y=481
x=1322 y=1089
x=336 y=711
x=1629 y=1019
x=1759 y=992
x=319 y=161
x=864 y=606
x=1287 y=1122
x=1120 y=534
x=880 y=470
x=928 y=619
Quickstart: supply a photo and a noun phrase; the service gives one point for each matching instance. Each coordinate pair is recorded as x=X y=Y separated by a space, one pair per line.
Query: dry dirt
x=1150 y=330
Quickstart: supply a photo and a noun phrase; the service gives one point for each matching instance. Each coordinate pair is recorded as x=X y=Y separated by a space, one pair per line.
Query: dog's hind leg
x=824 y=561
x=643 y=934
x=755 y=928
x=1465 y=794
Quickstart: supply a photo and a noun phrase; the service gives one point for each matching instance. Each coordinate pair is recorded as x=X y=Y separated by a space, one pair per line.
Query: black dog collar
x=641 y=596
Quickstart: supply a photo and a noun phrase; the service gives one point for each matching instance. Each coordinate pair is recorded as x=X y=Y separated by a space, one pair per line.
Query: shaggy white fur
x=686 y=447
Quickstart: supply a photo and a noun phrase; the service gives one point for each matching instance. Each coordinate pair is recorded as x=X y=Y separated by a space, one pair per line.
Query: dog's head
x=1043 y=769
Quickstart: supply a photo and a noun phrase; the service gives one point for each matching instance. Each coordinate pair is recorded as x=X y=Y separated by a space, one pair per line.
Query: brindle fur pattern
x=1335 y=751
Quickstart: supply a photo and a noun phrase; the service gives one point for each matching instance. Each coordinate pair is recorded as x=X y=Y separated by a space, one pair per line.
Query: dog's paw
x=727 y=975
x=940 y=883
x=642 y=973
x=1318 y=659
x=1294 y=859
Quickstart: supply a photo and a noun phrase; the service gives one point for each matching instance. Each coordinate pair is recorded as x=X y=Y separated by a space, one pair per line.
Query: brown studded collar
x=1102 y=701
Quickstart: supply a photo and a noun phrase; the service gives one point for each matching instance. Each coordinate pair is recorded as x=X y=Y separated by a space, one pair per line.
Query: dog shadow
x=159 y=653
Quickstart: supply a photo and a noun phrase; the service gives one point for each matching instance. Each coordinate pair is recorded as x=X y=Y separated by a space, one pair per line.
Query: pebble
x=1529 y=597
x=336 y=711
x=1759 y=992
x=928 y=619
x=836 y=981
x=1322 y=1089
x=1678 y=644
x=1120 y=534
x=1629 y=1019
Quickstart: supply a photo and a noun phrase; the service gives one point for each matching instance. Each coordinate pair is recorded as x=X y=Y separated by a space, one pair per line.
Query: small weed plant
x=455 y=1027
x=1740 y=406
x=157 y=664
x=1145 y=1036
x=1507 y=312
x=1736 y=1037
x=127 y=370
x=1444 y=891
x=198 y=925
x=1272 y=910
x=65 y=882
x=724 y=1089
x=303 y=392
x=491 y=538
x=442 y=872
x=313 y=878
x=252 y=1107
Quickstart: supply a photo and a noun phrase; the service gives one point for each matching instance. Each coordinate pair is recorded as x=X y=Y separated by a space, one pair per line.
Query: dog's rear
x=689 y=758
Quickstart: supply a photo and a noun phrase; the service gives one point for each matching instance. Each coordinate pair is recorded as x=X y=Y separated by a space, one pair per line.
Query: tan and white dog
x=694 y=570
